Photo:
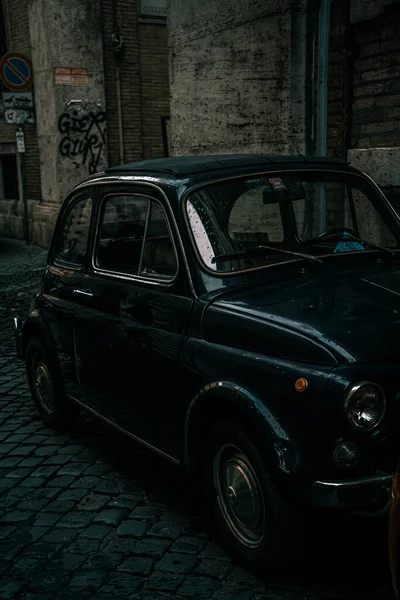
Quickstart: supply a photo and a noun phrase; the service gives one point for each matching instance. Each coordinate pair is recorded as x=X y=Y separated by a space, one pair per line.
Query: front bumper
x=18 y=336
x=362 y=495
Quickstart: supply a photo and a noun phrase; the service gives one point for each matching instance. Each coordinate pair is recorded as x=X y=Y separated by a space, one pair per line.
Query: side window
x=159 y=258
x=121 y=234
x=134 y=238
x=371 y=226
x=71 y=243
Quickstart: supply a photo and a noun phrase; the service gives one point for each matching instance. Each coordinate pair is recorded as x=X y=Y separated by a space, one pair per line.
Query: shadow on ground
x=344 y=556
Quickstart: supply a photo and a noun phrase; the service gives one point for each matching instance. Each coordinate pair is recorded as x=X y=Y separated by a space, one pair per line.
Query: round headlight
x=365 y=406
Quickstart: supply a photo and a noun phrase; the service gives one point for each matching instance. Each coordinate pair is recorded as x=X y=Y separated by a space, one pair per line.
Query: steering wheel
x=333 y=232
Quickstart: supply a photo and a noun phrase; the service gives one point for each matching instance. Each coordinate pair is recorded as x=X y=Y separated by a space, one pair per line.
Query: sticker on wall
x=154 y=8
x=18 y=108
x=71 y=76
x=20 y=141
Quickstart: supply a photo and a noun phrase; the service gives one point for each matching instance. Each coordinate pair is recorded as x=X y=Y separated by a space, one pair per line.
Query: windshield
x=317 y=213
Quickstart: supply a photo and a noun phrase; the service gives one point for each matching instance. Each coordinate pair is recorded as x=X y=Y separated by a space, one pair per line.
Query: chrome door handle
x=83 y=293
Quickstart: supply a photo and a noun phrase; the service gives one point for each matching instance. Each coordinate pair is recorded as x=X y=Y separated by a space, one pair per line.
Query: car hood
x=356 y=315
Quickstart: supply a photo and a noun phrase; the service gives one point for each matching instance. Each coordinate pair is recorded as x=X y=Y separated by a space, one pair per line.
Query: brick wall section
x=20 y=42
x=376 y=107
x=130 y=81
x=372 y=118
x=144 y=83
x=154 y=86
x=19 y=27
x=32 y=164
x=7 y=132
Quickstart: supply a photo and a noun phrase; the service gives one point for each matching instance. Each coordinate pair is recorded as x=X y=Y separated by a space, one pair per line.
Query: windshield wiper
x=257 y=249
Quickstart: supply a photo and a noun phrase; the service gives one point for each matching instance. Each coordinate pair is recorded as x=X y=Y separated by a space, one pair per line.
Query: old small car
x=240 y=316
x=394 y=532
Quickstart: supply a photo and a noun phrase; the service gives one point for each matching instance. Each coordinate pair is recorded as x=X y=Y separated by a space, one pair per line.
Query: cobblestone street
x=90 y=514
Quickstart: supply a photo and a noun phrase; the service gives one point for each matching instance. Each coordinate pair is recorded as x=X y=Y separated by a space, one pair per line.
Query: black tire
x=272 y=536
x=55 y=409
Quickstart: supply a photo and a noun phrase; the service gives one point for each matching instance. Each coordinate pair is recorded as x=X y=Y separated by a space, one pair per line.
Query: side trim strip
x=131 y=435
x=355 y=483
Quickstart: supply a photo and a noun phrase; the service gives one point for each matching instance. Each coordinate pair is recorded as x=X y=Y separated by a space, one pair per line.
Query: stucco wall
x=71 y=137
x=237 y=75
x=361 y=10
x=70 y=43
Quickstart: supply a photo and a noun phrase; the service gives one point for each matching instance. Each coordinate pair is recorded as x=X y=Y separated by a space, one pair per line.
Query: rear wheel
x=252 y=516
x=55 y=409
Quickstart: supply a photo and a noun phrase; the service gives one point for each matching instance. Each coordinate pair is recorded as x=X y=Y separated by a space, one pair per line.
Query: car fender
x=282 y=455
x=33 y=326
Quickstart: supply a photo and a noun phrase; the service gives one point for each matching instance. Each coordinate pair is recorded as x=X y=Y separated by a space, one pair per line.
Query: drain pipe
x=322 y=110
x=118 y=49
x=311 y=71
x=119 y=117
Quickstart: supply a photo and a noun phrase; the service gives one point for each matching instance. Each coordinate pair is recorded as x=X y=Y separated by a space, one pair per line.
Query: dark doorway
x=9 y=176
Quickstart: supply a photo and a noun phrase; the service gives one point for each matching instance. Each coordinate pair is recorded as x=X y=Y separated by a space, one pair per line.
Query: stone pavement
x=90 y=514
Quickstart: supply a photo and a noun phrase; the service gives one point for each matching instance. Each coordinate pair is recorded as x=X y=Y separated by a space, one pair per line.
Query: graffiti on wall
x=83 y=137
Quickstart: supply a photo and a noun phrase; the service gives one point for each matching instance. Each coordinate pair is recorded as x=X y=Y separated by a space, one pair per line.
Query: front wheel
x=55 y=409
x=251 y=514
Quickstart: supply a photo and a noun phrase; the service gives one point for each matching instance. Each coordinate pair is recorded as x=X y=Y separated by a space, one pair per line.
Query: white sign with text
x=154 y=8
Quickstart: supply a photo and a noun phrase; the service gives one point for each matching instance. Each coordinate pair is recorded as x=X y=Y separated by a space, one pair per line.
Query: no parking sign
x=16 y=71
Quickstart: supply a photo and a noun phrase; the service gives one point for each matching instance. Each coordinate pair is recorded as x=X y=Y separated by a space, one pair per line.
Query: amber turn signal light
x=301 y=385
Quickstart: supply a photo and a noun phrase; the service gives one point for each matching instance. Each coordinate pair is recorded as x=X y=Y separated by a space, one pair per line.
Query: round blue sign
x=16 y=71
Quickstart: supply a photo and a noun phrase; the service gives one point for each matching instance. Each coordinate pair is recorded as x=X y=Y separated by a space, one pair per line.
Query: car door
x=67 y=259
x=131 y=324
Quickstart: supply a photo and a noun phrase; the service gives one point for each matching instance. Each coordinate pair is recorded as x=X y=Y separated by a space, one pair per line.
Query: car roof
x=195 y=170
x=183 y=166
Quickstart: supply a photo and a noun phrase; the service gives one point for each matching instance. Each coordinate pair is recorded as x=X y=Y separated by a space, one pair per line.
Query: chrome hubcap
x=239 y=496
x=44 y=387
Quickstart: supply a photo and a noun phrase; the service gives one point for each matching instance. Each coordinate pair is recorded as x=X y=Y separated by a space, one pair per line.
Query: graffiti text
x=83 y=137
